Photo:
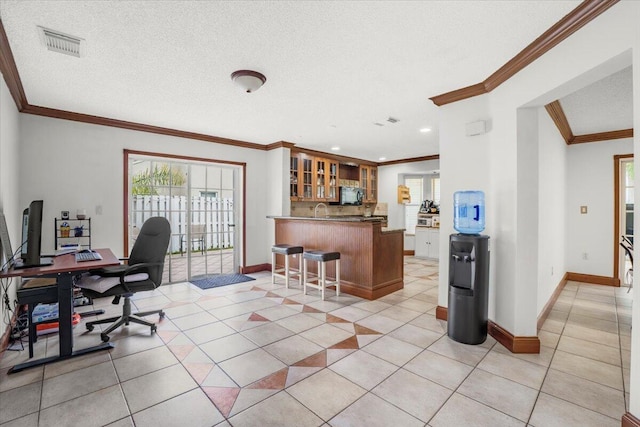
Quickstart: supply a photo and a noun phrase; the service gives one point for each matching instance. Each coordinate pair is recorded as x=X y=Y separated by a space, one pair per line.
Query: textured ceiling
x=603 y=106
x=333 y=68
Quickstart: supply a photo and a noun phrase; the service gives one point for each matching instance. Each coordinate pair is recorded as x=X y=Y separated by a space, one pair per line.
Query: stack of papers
x=67 y=249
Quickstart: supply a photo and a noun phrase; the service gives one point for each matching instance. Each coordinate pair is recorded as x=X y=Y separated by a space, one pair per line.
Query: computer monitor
x=32 y=236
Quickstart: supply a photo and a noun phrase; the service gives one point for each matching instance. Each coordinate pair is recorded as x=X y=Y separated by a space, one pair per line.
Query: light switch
x=583 y=209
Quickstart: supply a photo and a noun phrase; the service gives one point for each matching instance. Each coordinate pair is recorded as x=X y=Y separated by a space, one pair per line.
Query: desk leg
x=65 y=312
x=65 y=328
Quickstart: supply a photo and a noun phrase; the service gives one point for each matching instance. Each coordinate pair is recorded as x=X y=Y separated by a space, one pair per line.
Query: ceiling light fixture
x=425 y=130
x=248 y=80
x=382 y=158
x=335 y=148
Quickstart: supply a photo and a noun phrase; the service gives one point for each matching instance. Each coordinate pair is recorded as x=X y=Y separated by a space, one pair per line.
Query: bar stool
x=320 y=280
x=285 y=273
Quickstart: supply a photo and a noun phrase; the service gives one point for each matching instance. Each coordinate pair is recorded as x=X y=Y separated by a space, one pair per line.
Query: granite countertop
x=343 y=218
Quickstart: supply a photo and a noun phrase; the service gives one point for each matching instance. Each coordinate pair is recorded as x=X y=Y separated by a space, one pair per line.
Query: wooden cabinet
x=427 y=243
x=301 y=180
x=369 y=183
x=325 y=180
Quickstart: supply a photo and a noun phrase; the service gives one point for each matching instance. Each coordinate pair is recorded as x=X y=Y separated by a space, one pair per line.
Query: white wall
x=9 y=204
x=72 y=165
x=590 y=182
x=552 y=186
x=581 y=59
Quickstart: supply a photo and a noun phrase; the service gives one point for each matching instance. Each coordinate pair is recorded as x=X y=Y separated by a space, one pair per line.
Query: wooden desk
x=63 y=269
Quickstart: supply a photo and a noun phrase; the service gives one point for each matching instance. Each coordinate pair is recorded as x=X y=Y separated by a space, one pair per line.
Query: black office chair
x=147 y=256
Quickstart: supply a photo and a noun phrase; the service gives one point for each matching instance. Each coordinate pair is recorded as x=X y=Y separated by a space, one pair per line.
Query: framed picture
x=64 y=215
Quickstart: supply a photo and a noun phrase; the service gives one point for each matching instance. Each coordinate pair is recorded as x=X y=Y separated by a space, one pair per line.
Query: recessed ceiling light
x=425 y=130
x=382 y=158
x=335 y=148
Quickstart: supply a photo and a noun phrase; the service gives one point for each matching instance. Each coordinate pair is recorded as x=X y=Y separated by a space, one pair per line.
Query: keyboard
x=88 y=256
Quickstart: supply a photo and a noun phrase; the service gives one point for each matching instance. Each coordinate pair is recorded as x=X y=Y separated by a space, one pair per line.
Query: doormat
x=209 y=282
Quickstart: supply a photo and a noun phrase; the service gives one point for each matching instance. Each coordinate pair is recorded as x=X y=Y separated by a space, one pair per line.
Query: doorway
x=624 y=203
x=199 y=198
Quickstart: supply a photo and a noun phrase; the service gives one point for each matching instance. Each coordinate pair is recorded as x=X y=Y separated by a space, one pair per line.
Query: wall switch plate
x=583 y=209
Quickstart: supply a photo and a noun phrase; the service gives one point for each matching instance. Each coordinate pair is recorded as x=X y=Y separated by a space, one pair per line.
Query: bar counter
x=371 y=256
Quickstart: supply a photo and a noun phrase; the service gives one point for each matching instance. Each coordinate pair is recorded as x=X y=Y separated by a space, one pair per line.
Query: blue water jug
x=468 y=211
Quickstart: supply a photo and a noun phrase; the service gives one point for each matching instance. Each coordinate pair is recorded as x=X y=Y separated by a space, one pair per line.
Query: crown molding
x=560 y=119
x=602 y=136
x=280 y=144
x=587 y=11
x=10 y=71
x=410 y=160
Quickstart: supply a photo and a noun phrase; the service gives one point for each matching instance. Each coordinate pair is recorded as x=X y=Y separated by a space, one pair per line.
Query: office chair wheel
x=89 y=328
x=104 y=337
x=161 y=314
x=154 y=328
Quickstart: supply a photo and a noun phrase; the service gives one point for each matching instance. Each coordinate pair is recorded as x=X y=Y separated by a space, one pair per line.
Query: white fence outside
x=213 y=214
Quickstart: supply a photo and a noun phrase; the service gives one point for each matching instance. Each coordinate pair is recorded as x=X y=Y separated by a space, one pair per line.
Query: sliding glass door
x=199 y=200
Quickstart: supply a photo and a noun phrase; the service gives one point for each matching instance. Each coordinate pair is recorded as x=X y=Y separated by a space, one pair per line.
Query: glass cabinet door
x=294 y=169
x=332 y=184
x=307 y=176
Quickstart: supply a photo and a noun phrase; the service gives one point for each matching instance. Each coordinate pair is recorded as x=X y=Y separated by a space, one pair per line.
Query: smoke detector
x=60 y=42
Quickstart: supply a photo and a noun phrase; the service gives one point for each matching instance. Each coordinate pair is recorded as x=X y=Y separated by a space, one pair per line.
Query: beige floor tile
x=364 y=369
x=18 y=379
x=192 y=408
x=148 y=390
x=412 y=393
x=18 y=402
x=400 y=313
x=142 y=363
x=588 y=369
x=514 y=369
x=209 y=332
x=91 y=359
x=393 y=350
x=351 y=313
x=548 y=339
x=95 y=409
x=292 y=349
x=325 y=335
x=130 y=345
x=593 y=323
x=592 y=335
x=251 y=366
x=374 y=306
x=440 y=369
x=372 y=411
x=585 y=393
x=554 y=326
x=266 y=334
x=553 y=412
x=125 y=422
x=279 y=410
x=299 y=322
x=416 y=335
x=429 y=322
x=380 y=323
x=326 y=393
x=543 y=358
x=30 y=420
x=469 y=354
x=462 y=411
x=499 y=393
x=74 y=384
x=590 y=350
x=194 y=320
x=227 y=347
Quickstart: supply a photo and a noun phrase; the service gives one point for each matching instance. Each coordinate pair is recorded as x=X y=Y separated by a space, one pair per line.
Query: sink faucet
x=315 y=211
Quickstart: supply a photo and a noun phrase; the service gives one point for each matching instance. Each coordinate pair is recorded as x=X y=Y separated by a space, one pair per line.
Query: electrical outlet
x=585 y=256
x=552 y=271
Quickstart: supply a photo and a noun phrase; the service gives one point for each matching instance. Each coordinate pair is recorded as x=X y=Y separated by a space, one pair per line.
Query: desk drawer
x=45 y=292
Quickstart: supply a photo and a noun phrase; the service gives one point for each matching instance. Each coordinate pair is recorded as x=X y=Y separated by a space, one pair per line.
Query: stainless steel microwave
x=351 y=196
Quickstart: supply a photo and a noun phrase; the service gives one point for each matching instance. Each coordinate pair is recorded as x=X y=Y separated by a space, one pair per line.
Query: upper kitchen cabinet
x=369 y=183
x=301 y=177
x=325 y=180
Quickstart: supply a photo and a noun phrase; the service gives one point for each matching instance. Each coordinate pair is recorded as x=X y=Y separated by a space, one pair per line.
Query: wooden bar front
x=372 y=263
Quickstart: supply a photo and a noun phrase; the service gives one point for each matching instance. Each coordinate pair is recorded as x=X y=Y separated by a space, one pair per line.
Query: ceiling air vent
x=60 y=42
x=392 y=120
